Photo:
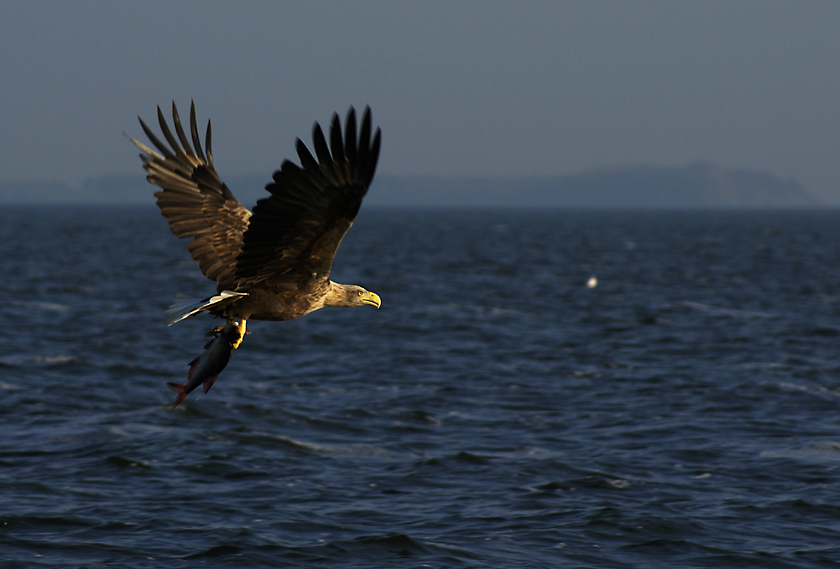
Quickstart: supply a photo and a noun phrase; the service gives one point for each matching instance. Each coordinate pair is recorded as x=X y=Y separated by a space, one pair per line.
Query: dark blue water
x=495 y=412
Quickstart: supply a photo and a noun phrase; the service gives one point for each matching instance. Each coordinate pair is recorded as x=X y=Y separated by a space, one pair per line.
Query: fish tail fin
x=181 y=309
x=180 y=388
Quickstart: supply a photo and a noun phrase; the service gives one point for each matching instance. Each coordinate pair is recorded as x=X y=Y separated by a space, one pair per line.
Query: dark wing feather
x=295 y=232
x=193 y=199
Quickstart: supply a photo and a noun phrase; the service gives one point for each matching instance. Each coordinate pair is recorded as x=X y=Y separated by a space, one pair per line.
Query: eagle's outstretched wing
x=294 y=233
x=194 y=200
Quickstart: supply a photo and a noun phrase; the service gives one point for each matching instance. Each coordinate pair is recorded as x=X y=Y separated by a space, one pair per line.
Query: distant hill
x=106 y=189
x=699 y=185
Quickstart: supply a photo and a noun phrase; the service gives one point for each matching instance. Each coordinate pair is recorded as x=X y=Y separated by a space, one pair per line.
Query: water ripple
x=496 y=412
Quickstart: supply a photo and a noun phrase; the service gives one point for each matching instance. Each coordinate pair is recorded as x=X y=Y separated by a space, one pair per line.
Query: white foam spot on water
x=721 y=311
x=823 y=451
x=51 y=306
x=27 y=360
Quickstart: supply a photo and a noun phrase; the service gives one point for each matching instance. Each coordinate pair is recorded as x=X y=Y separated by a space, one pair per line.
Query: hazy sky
x=458 y=87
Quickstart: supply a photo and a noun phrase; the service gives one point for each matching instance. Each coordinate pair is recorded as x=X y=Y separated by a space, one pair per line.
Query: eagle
x=273 y=263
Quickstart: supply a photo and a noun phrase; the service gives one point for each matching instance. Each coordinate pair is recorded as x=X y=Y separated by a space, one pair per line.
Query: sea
x=540 y=389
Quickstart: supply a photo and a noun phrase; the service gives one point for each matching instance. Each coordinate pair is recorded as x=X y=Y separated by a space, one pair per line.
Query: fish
x=204 y=369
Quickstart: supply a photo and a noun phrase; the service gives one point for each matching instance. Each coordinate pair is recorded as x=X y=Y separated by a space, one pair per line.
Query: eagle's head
x=351 y=295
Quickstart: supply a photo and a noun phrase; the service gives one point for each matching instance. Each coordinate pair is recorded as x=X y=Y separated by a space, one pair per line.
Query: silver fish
x=205 y=368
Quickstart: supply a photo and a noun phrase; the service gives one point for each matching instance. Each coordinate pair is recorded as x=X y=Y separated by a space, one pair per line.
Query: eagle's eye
x=359 y=292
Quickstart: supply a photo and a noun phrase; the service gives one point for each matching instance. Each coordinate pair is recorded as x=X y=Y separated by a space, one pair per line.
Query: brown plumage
x=280 y=255
x=273 y=264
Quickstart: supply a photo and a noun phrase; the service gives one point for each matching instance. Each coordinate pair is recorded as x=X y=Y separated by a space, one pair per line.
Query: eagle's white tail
x=184 y=309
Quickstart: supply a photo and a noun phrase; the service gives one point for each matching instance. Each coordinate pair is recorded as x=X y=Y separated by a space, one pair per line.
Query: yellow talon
x=240 y=326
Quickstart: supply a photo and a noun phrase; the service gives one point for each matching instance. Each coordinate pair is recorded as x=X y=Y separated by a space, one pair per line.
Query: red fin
x=182 y=392
x=208 y=383
x=192 y=367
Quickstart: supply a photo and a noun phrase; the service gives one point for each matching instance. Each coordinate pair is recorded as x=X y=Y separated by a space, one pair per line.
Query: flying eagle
x=274 y=263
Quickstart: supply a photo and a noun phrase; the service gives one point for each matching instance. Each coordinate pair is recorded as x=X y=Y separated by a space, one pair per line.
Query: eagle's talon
x=240 y=327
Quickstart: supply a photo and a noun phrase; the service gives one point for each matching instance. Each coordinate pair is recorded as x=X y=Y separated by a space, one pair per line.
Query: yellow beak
x=373 y=299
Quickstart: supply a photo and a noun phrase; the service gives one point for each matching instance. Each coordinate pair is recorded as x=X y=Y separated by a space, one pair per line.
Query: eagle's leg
x=240 y=326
